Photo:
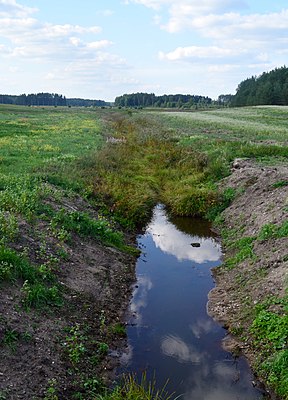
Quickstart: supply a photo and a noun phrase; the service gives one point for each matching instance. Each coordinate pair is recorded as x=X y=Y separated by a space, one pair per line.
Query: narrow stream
x=170 y=334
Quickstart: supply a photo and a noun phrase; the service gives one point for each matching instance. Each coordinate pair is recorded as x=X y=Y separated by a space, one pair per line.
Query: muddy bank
x=72 y=348
x=262 y=198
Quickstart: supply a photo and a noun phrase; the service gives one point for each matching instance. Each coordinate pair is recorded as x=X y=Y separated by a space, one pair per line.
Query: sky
x=100 y=49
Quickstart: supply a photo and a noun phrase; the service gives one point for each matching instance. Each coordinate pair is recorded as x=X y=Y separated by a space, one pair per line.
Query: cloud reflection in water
x=174 y=346
x=224 y=375
x=202 y=327
x=172 y=241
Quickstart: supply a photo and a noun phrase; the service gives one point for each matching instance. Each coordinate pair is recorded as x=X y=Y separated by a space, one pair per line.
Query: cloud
x=196 y=6
x=11 y=7
x=172 y=241
x=27 y=37
x=100 y=44
x=192 y=52
x=228 y=25
x=174 y=346
x=154 y=4
x=202 y=327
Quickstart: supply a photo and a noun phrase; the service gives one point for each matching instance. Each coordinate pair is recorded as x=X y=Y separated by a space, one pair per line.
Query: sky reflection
x=170 y=334
x=172 y=241
x=174 y=346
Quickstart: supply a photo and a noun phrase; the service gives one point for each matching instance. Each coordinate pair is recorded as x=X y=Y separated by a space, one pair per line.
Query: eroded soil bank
x=65 y=351
x=261 y=203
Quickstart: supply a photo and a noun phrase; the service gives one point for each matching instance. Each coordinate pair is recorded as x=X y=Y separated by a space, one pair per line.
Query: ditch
x=170 y=334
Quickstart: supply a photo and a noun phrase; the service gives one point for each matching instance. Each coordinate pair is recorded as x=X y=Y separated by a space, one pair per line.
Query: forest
x=270 y=88
x=165 y=101
x=49 y=99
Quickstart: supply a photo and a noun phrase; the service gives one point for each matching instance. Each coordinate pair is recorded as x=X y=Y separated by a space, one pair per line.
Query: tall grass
x=131 y=389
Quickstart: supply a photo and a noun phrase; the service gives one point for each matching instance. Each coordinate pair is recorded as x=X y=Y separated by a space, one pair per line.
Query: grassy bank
x=72 y=177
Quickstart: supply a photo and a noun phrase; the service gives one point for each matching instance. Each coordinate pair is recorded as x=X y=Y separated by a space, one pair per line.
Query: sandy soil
x=237 y=290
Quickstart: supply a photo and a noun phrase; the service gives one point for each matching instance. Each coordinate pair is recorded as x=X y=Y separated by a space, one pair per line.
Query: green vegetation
x=270 y=331
x=273 y=231
x=49 y=99
x=119 y=329
x=244 y=251
x=130 y=389
x=268 y=88
x=166 y=101
x=120 y=164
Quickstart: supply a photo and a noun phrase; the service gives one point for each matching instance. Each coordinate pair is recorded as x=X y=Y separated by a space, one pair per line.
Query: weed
x=225 y=200
x=13 y=267
x=275 y=368
x=280 y=184
x=270 y=330
x=84 y=225
x=244 y=251
x=131 y=389
x=38 y=295
x=21 y=195
x=4 y=394
x=8 y=227
x=74 y=345
x=269 y=231
x=118 y=329
x=51 y=391
x=103 y=348
x=11 y=336
x=102 y=320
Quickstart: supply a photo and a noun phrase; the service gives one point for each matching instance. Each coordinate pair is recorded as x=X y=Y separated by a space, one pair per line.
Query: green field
x=122 y=162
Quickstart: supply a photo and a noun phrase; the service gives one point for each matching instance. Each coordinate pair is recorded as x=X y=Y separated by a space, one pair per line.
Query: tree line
x=270 y=88
x=49 y=99
x=165 y=101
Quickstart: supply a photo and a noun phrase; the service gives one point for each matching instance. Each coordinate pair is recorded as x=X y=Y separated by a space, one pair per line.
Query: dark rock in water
x=195 y=244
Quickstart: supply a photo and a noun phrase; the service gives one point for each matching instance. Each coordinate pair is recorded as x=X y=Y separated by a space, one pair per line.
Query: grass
x=131 y=389
x=270 y=331
x=84 y=225
x=37 y=291
x=243 y=251
x=269 y=231
x=51 y=155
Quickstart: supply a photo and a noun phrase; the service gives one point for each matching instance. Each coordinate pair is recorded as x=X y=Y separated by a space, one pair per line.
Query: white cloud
x=100 y=44
x=197 y=6
x=12 y=8
x=29 y=38
x=107 y=12
x=172 y=241
x=192 y=52
x=174 y=346
x=154 y=4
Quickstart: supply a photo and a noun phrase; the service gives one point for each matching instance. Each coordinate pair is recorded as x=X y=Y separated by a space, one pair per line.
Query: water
x=170 y=334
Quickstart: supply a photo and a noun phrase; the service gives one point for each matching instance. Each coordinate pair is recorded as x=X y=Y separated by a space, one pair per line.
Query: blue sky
x=101 y=49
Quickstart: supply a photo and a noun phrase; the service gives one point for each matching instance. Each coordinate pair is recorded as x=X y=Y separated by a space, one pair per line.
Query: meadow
x=122 y=163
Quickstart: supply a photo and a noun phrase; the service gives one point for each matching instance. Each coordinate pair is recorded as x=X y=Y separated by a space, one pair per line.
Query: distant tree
x=269 y=88
x=49 y=99
x=171 y=101
x=224 y=99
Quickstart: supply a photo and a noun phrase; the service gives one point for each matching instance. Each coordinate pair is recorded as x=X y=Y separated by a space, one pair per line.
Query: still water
x=170 y=334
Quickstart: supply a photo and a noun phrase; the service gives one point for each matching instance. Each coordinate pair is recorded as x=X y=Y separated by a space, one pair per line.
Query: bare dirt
x=96 y=281
x=262 y=199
